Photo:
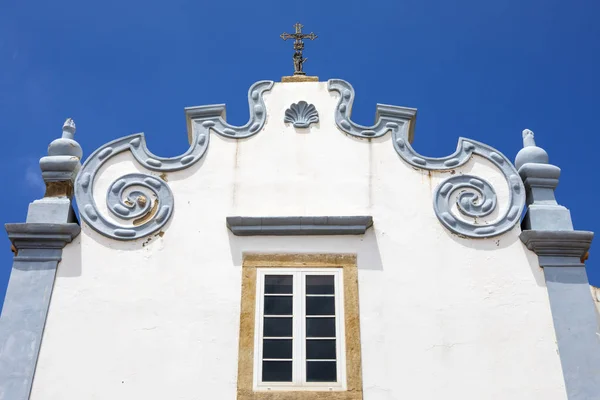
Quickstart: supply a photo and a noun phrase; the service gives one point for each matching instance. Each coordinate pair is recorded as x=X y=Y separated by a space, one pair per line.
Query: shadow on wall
x=364 y=246
x=70 y=264
x=501 y=242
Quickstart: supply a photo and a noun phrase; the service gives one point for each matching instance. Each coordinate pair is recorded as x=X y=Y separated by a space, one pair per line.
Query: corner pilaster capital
x=558 y=248
x=41 y=235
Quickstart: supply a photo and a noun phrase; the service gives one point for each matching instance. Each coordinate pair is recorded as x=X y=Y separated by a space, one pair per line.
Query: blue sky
x=479 y=69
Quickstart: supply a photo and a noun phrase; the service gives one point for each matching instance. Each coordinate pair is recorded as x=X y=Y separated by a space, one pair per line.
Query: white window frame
x=299 y=331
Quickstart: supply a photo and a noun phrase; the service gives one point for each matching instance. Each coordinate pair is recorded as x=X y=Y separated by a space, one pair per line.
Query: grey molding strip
x=39 y=250
x=282 y=226
x=558 y=248
x=41 y=235
x=388 y=118
x=477 y=197
x=139 y=204
x=213 y=116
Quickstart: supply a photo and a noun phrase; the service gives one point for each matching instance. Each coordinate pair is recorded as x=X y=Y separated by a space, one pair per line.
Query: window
x=314 y=352
x=299 y=332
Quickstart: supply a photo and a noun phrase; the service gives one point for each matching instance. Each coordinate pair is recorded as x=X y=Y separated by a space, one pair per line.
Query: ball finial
x=530 y=153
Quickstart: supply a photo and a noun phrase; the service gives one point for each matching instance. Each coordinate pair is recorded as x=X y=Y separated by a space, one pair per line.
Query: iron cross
x=298 y=46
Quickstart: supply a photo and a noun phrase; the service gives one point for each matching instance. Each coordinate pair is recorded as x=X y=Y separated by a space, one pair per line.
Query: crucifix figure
x=298 y=46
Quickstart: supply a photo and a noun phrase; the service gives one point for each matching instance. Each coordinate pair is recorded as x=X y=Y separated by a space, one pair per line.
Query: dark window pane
x=319 y=284
x=277 y=348
x=320 y=327
x=320 y=349
x=278 y=305
x=278 y=284
x=277 y=327
x=321 y=371
x=277 y=371
x=320 y=306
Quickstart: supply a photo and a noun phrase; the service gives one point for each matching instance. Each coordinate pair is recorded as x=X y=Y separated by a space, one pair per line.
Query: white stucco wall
x=441 y=316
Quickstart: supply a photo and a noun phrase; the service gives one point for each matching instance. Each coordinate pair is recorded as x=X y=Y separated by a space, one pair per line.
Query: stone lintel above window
x=281 y=226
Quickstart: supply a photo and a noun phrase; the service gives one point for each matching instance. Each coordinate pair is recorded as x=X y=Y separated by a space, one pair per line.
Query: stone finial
x=69 y=129
x=540 y=179
x=528 y=138
x=66 y=145
x=61 y=165
x=530 y=153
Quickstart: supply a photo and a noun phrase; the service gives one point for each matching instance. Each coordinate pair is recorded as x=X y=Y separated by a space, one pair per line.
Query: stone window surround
x=250 y=264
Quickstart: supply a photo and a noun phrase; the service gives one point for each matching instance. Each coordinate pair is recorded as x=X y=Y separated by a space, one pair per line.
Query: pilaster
x=548 y=231
x=38 y=245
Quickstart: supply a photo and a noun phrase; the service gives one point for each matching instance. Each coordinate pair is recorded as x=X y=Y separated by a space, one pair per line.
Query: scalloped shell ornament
x=301 y=114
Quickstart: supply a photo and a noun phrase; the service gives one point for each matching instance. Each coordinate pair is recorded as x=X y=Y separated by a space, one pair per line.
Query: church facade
x=299 y=256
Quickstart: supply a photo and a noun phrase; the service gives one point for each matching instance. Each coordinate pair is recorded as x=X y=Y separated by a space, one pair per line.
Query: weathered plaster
x=247 y=322
x=299 y=78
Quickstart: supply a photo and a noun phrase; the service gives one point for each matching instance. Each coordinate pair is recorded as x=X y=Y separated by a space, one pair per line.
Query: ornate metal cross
x=298 y=46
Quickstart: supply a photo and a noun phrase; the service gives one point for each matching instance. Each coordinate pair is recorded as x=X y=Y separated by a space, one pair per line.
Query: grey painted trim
x=41 y=235
x=558 y=248
x=135 y=204
x=548 y=231
x=203 y=119
x=213 y=116
x=281 y=226
x=577 y=330
x=27 y=300
x=400 y=121
x=301 y=114
x=388 y=118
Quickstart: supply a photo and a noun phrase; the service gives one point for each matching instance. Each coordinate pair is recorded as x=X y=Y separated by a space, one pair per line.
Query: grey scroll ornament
x=144 y=199
x=473 y=196
x=301 y=114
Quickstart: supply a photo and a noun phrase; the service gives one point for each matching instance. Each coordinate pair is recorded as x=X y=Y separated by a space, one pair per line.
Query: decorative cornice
x=282 y=226
x=213 y=116
x=558 y=243
x=40 y=235
x=480 y=199
x=389 y=118
x=153 y=214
